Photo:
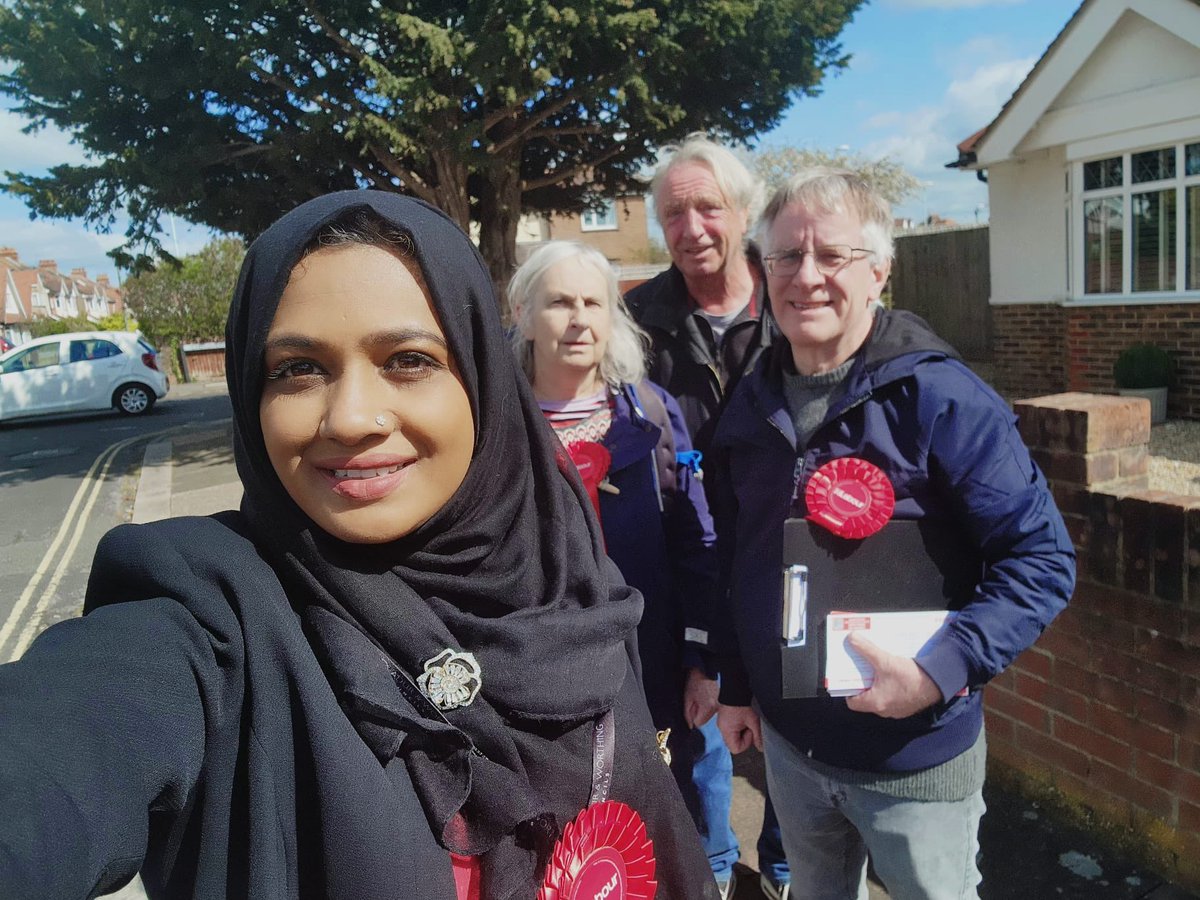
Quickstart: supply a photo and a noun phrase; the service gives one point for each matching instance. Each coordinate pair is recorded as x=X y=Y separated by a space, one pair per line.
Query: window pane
x=1153 y=222
x=1153 y=165
x=1192 y=159
x=34 y=358
x=1102 y=173
x=605 y=219
x=1102 y=245
x=1193 y=238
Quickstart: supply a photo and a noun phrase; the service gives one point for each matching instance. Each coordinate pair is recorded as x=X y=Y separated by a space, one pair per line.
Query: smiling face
x=355 y=343
x=570 y=323
x=702 y=230
x=825 y=318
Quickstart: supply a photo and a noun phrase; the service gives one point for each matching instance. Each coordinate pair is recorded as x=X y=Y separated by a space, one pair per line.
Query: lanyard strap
x=604 y=741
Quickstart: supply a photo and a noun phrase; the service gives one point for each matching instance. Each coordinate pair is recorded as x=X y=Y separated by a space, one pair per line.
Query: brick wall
x=627 y=244
x=1042 y=348
x=1028 y=355
x=1095 y=335
x=1103 y=713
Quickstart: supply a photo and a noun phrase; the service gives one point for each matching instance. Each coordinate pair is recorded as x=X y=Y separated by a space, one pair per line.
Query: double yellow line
x=84 y=500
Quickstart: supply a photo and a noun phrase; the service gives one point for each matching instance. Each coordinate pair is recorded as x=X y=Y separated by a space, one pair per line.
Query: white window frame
x=589 y=219
x=1179 y=183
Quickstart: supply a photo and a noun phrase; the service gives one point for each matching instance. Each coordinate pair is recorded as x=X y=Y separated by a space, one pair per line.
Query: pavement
x=1027 y=852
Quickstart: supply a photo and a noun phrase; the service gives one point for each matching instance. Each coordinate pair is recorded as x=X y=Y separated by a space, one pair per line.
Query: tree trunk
x=499 y=214
x=453 y=196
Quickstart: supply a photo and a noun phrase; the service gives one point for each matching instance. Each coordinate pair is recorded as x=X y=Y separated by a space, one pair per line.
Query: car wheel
x=133 y=399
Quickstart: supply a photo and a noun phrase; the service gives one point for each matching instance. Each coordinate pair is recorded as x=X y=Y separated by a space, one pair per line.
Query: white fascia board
x=1144 y=138
x=1051 y=74
x=1140 y=109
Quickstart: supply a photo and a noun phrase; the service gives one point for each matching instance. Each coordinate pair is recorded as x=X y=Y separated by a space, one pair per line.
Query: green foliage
x=229 y=114
x=1141 y=366
x=187 y=300
x=775 y=165
x=44 y=327
x=116 y=322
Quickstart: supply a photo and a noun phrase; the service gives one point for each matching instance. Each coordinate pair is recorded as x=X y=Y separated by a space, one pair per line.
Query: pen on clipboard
x=795 y=605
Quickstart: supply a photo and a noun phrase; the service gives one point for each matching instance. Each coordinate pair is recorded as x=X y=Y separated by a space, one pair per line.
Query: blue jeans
x=921 y=850
x=772 y=861
x=703 y=769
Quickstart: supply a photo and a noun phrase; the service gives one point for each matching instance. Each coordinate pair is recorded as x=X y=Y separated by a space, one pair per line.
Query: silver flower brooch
x=451 y=679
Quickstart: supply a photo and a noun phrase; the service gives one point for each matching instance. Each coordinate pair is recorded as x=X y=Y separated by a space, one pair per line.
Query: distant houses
x=43 y=292
x=619 y=229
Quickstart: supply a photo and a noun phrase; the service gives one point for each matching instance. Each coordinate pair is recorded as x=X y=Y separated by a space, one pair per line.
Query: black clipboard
x=906 y=565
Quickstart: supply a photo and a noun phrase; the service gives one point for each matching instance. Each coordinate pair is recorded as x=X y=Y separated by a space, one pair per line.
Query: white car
x=85 y=370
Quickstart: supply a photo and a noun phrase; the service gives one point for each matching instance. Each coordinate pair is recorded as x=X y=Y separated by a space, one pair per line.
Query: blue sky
x=924 y=74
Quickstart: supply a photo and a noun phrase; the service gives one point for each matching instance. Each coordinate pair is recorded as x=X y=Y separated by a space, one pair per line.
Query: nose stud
x=380 y=421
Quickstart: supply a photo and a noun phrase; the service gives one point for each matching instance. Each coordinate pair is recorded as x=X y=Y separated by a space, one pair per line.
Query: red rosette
x=592 y=460
x=604 y=854
x=850 y=497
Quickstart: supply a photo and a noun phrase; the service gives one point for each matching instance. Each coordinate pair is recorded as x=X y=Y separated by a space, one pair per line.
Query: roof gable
x=1097 y=77
x=15 y=309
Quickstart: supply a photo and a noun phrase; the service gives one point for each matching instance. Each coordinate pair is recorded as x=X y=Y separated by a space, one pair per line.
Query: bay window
x=1141 y=221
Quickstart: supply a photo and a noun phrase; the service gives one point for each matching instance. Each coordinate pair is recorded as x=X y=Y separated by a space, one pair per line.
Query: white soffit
x=1041 y=112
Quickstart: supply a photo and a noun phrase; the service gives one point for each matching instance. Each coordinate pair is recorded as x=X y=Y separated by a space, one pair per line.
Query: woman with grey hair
x=584 y=357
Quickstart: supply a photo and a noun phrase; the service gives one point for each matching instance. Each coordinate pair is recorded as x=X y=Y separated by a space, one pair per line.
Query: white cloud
x=20 y=152
x=987 y=89
x=64 y=242
x=70 y=245
x=924 y=139
x=890 y=119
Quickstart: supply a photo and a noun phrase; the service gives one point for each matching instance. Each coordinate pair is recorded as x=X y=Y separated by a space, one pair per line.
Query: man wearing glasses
x=704 y=318
x=895 y=772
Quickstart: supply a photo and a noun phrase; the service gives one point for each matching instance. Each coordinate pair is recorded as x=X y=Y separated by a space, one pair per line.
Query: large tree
x=230 y=112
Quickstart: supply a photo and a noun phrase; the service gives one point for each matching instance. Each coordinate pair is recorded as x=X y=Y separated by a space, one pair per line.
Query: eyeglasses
x=828 y=260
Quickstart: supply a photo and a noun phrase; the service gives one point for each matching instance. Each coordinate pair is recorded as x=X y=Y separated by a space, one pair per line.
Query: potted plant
x=1146 y=370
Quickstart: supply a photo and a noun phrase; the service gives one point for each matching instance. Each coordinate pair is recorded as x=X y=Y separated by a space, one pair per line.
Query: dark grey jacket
x=682 y=358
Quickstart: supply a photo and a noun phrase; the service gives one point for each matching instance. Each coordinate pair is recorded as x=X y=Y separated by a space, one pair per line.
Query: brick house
x=619 y=231
x=43 y=292
x=1093 y=172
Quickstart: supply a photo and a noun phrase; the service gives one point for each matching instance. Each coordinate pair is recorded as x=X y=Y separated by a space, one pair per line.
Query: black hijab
x=511 y=569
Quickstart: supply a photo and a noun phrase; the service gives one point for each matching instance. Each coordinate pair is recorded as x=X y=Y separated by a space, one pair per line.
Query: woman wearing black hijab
x=403 y=670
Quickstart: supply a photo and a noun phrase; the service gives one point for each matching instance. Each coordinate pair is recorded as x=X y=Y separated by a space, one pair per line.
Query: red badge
x=603 y=855
x=592 y=460
x=850 y=497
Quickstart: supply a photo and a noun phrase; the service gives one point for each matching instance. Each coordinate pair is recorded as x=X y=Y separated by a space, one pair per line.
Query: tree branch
x=344 y=45
x=539 y=117
x=560 y=177
x=407 y=177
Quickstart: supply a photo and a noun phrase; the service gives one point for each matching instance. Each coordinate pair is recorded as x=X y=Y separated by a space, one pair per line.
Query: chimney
x=8 y=253
x=79 y=273
x=48 y=265
x=102 y=280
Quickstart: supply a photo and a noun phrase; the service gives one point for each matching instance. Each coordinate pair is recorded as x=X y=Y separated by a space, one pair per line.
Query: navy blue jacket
x=950 y=447
x=659 y=533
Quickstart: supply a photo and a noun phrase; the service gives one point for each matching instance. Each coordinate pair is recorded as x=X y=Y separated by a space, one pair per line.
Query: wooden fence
x=944 y=277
